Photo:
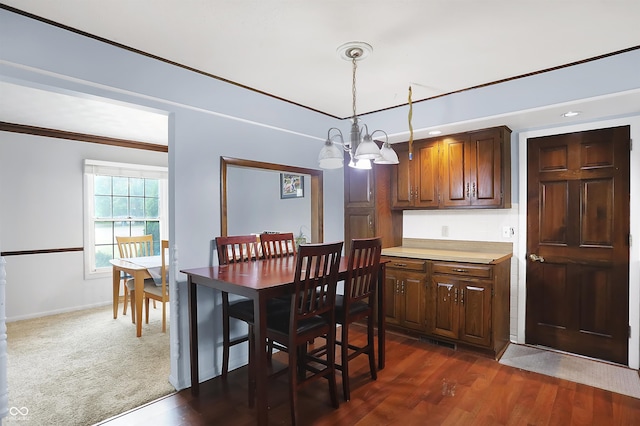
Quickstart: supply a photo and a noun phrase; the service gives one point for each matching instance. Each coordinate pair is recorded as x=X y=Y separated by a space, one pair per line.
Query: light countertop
x=451 y=250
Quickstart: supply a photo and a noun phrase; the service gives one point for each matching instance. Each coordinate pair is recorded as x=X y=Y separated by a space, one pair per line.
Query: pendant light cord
x=410 y=126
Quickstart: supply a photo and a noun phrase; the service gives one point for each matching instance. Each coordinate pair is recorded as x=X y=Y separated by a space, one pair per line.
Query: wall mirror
x=256 y=197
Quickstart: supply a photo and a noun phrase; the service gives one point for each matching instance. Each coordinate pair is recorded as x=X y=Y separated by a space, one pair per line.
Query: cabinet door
x=359 y=223
x=401 y=179
x=486 y=168
x=358 y=188
x=444 y=307
x=425 y=174
x=392 y=293
x=455 y=170
x=475 y=312
x=412 y=289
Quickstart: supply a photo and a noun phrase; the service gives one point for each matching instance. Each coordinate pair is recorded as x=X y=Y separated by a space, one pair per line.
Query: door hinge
x=629 y=336
x=630 y=144
x=629 y=239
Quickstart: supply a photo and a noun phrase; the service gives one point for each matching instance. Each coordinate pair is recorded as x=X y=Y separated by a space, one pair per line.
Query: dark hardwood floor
x=422 y=384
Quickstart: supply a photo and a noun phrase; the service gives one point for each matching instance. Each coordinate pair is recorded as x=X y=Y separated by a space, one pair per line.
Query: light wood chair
x=358 y=303
x=311 y=314
x=158 y=292
x=277 y=245
x=137 y=246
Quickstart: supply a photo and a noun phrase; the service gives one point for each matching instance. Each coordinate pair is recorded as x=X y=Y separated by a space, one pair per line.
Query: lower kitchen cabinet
x=461 y=309
x=453 y=302
x=405 y=289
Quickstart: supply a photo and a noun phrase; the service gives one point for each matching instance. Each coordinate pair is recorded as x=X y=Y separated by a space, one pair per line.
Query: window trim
x=94 y=167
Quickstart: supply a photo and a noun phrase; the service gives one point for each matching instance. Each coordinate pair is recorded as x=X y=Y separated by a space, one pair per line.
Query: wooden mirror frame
x=317 y=207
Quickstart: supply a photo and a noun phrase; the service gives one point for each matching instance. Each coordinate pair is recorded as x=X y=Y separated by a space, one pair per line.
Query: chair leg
x=126 y=294
x=293 y=383
x=132 y=298
x=252 y=367
x=331 y=363
x=146 y=308
x=371 y=349
x=225 y=334
x=164 y=317
x=344 y=353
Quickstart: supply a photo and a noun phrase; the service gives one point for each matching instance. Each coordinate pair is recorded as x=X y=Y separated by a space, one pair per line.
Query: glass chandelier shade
x=388 y=155
x=331 y=157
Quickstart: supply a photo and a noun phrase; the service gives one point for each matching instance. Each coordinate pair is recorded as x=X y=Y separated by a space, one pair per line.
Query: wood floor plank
x=422 y=384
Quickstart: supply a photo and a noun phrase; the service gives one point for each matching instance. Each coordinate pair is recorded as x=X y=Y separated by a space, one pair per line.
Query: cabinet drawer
x=407 y=264
x=463 y=269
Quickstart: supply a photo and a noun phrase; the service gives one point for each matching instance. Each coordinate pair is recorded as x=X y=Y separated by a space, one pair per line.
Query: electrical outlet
x=445 y=231
x=508 y=232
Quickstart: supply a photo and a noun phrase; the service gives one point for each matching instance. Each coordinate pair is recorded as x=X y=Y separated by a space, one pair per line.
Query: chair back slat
x=315 y=281
x=237 y=248
x=277 y=245
x=363 y=266
x=137 y=246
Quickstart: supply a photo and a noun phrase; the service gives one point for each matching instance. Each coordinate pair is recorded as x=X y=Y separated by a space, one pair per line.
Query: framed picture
x=291 y=186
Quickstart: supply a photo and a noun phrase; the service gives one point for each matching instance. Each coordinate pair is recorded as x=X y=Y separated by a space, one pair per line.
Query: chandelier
x=361 y=146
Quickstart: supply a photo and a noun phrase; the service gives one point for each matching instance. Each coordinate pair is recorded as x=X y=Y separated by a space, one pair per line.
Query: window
x=121 y=200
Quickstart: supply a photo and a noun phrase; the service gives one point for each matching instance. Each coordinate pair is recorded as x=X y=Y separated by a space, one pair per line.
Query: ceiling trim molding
x=81 y=137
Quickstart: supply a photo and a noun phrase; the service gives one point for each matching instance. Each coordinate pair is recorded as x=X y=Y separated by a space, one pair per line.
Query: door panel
x=445 y=308
x=360 y=223
x=413 y=296
x=475 y=301
x=577 y=243
x=426 y=175
x=596 y=217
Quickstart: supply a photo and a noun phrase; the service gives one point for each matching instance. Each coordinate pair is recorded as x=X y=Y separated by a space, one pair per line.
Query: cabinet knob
x=467 y=189
x=464 y=271
x=473 y=190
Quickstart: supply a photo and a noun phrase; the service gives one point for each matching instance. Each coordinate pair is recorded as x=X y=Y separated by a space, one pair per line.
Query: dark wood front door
x=578 y=243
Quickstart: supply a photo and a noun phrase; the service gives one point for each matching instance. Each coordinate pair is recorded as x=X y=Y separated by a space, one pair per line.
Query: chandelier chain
x=353 y=88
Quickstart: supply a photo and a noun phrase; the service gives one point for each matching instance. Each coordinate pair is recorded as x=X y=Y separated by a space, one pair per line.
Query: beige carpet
x=79 y=368
x=573 y=368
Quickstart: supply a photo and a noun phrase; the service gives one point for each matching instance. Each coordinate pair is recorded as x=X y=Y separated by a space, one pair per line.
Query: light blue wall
x=209 y=119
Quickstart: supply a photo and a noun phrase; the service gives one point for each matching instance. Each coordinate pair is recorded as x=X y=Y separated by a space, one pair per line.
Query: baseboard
x=57 y=311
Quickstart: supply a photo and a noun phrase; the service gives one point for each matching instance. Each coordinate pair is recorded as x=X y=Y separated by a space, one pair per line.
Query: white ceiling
x=287 y=48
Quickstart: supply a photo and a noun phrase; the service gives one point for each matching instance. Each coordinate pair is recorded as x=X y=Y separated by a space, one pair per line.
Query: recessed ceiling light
x=435 y=132
x=571 y=113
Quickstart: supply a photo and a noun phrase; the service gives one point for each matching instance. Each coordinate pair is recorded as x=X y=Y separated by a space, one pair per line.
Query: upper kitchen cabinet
x=476 y=169
x=415 y=182
x=466 y=170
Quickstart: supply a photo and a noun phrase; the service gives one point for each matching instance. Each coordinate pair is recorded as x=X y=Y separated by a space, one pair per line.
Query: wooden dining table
x=260 y=281
x=139 y=268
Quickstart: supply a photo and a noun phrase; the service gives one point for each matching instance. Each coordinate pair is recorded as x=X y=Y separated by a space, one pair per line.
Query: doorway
x=577 y=258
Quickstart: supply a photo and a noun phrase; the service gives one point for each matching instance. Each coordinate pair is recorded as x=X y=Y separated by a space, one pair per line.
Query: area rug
x=577 y=369
x=79 y=368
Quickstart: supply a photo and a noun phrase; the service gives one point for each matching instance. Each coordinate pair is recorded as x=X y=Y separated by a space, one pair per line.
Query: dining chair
x=158 y=292
x=233 y=249
x=277 y=245
x=358 y=303
x=310 y=314
x=136 y=246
